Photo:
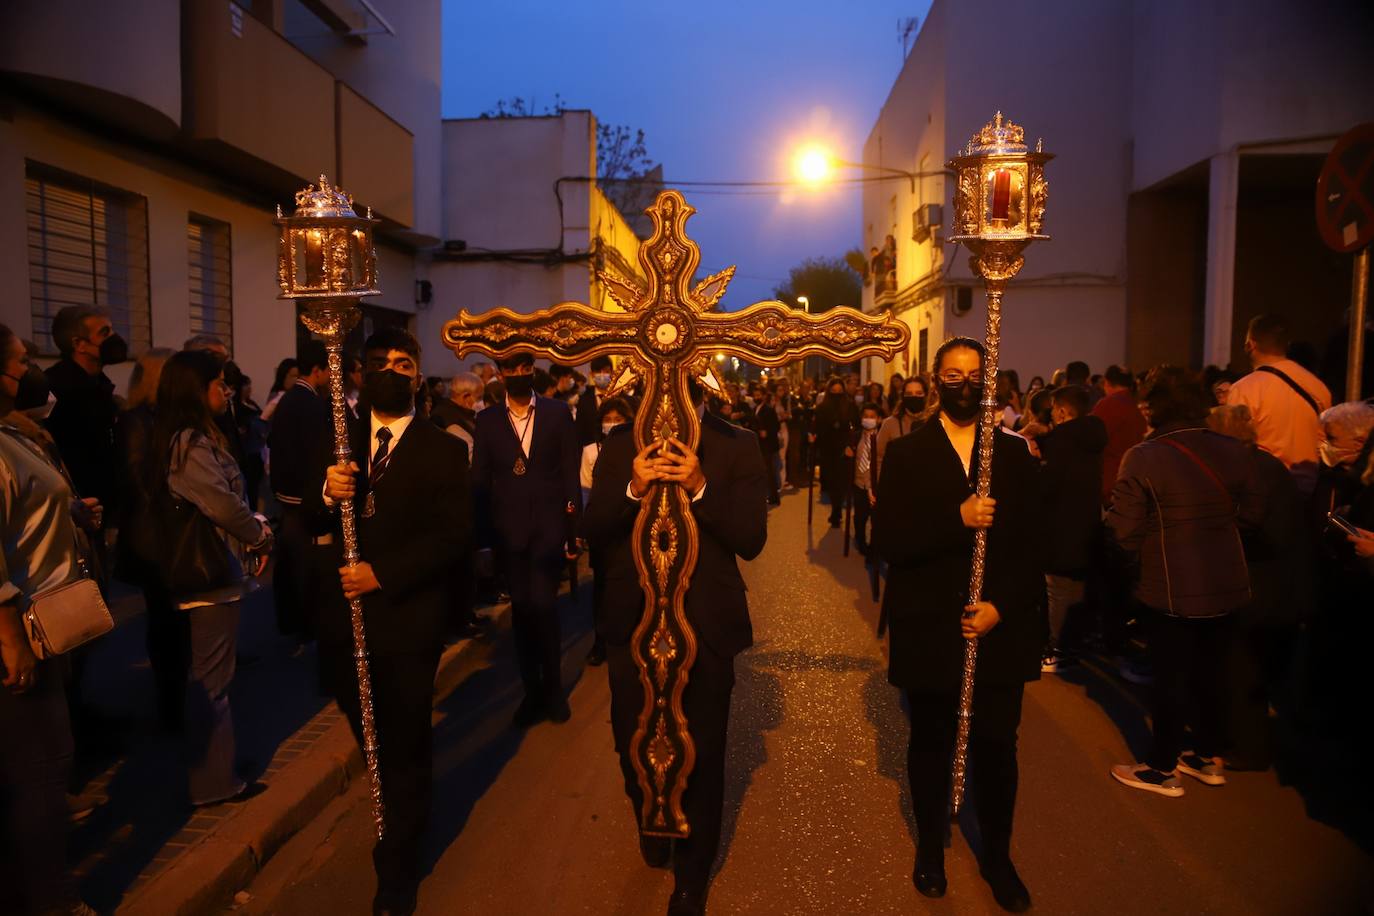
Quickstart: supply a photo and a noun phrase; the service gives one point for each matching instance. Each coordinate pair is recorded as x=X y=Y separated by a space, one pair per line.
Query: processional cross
x=668 y=333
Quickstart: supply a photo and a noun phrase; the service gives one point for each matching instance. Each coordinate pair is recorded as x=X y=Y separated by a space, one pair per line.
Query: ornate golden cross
x=668 y=332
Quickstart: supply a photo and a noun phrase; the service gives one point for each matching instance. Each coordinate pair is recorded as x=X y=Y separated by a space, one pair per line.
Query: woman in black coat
x=925 y=519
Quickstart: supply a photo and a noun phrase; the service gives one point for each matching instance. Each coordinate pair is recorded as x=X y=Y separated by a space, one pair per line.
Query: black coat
x=732 y=521
x=836 y=428
x=82 y=424
x=918 y=530
x=766 y=428
x=527 y=511
x=420 y=532
x=1072 y=456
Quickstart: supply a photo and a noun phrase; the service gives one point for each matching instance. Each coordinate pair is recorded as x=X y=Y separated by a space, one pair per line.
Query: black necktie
x=379 y=460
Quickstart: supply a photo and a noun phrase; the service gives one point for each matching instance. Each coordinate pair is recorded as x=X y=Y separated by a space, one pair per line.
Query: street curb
x=206 y=878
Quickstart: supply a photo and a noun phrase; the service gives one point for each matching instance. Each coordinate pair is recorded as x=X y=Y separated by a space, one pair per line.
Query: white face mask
x=602 y=380
x=870 y=422
x=1333 y=456
x=41 y=413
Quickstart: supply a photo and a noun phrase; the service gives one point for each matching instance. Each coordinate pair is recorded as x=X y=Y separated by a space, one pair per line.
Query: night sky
x=723 y=90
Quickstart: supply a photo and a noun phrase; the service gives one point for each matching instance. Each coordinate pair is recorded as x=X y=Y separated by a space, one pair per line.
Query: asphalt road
x=817 y=813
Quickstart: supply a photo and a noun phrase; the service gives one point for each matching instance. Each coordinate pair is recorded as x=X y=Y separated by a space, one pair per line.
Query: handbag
x=198 y=560
x=70 y=615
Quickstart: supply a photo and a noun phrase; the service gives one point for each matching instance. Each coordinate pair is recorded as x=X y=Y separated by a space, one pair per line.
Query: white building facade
x=1188 y=138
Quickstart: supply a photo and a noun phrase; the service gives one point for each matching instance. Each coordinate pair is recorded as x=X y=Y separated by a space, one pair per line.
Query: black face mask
x=519 y=386
x=834 y=395
x=388 y=391
x=961 y=401
x=113 y=350
x=33 y=389
x=913 y=403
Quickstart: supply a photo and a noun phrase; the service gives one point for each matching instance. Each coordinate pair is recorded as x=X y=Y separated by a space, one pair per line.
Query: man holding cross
x=728 y=486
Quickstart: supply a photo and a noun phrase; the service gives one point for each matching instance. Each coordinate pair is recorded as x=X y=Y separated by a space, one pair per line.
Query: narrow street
x=817 y=815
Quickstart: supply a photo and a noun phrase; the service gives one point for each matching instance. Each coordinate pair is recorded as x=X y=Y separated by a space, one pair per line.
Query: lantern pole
x=331 y=288
x=999 y=201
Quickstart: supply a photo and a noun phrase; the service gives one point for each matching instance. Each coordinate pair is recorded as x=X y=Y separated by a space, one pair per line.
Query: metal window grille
x=923 y=339
x=212 y=300
x=88 y=245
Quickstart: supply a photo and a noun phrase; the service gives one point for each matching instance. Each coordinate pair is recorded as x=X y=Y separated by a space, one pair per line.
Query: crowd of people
x=1206 y=533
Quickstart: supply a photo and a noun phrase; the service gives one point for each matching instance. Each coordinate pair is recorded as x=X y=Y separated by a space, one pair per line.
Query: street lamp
x=804 y=303
x=816 y=165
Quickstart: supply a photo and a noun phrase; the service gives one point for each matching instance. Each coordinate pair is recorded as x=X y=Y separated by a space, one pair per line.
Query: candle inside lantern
x=1001 y=194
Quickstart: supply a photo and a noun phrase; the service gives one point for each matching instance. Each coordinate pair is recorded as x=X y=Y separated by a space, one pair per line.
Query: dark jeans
x=533 y=581
x=772 y=464
x=210 y=747
x=706 y=702
x=35 y=760
x=402 y=703
x=862 y=512
x=1190 y=659
x=1109 y=582
x=992 y=767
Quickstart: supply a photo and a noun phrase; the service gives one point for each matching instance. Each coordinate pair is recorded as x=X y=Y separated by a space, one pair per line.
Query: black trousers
x=168 y=641
x=35 y=760
x=293 y=575
x=992 y=771
x=402 y=702
x=533 y=580
x=1261 y=662
x=1191 y=657
x=706 y=702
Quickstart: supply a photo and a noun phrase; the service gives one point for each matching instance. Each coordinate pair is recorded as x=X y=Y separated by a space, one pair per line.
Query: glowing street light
x=814 y=164
x=804 y=303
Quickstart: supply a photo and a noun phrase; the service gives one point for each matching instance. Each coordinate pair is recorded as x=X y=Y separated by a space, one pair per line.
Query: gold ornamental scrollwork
x=667 y=332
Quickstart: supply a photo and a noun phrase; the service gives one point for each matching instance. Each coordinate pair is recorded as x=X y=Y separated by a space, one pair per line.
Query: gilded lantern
x=326 y=249
x=1000 y=189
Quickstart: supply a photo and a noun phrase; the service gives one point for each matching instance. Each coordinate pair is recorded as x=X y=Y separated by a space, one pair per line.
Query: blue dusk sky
x=723 y=91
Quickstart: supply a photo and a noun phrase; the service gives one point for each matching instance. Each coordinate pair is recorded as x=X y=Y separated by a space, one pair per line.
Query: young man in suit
x=924 y=524
x=729 y=488
x=413 y=504
x=588 y=415
x=302 y=442
x=525 y=467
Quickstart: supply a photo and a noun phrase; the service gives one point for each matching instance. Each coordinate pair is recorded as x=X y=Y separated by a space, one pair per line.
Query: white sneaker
x=1203 y=769
x=1147 y=778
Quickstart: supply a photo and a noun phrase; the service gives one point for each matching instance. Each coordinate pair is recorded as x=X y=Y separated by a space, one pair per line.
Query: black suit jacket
x=731 y=517
x=766 y=421
x=918 y=530
x=301 y=442
x=420 y=533
x=527 y=511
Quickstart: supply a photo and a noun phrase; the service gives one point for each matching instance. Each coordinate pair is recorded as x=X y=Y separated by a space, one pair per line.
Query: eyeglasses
x=954 y=378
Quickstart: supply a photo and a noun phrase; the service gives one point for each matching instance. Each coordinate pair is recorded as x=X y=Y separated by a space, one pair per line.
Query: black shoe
x=1007 y=888
x=656 y=850
x=597 y=656
x=249 y=790
x=557 y=709
x=929 y=875
x=530 y=711
x=394 y=902
x=687 y=902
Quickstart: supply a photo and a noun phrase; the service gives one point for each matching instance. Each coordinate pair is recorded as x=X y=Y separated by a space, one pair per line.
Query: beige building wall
x=121 y=95
x=264 y=327
x=520 y=194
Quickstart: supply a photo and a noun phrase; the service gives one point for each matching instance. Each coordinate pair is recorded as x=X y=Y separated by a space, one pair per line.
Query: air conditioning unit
x=926 y=219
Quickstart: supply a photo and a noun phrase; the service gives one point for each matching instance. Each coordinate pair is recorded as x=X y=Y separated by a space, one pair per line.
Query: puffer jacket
x=1183 y=522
